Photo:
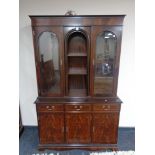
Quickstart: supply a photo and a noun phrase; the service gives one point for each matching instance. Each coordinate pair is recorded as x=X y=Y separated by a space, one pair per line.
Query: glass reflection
x=105 y=53
x=49 y=60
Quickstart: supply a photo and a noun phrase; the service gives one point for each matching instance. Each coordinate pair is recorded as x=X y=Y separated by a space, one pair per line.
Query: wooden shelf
x=77 y=71
x=77 y=92
x=104 y=77
x=77 y=54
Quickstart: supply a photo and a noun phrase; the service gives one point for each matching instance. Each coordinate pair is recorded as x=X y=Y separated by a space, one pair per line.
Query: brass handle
x=103 y=106
x=49 y=109
x=75 y=106
x=107 y=108
x=78 y=109
x=53 y=106
x=47 y=106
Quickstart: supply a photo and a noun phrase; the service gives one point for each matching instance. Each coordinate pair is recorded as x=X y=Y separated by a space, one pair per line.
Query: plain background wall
x=27 y=73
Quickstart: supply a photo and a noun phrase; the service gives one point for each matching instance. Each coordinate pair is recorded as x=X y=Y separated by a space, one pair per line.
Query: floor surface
x=29 y=141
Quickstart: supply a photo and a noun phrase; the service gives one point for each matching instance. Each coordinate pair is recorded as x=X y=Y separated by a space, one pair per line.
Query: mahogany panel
x=105 y=128
x=51 y=128
x=78 y=128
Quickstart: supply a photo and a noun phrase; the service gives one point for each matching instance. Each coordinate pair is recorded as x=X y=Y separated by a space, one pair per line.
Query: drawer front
x=78 y=107
x=50 y=107
x=106 y=107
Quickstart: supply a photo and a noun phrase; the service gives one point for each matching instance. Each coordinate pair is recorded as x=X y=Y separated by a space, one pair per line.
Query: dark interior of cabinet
x=77 y=62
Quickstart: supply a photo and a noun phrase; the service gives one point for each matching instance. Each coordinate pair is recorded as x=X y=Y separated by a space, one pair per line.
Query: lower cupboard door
x=51 y=128
x=105 y=128
x=78 y=128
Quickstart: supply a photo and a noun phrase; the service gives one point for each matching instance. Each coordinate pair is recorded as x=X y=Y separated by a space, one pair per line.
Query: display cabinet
x=77 y=66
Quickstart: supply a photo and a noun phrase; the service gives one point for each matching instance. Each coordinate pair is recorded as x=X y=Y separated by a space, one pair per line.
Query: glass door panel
x=105 y=51
x=49 y=62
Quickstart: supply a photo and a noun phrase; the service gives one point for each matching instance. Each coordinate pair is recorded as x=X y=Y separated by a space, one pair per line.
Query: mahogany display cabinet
x=77 y=65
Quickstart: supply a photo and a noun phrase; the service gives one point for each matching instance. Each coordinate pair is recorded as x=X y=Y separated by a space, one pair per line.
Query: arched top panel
x=77 y=31
x=76 y=41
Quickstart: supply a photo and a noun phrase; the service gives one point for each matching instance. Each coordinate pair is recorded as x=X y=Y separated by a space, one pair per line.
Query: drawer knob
x=75 y=106
x=80 y=106
x=53 y=106
x=107 y=108
x=106 y=100
x=47 y=106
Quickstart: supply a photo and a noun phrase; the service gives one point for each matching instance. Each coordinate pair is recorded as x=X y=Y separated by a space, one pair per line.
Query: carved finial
x=70 y=13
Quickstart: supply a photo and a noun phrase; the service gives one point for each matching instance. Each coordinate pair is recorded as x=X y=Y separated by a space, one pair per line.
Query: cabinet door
x=105 y=53
x=78 y=128
x=49 y=54
x=51 y=128
x=105 y=128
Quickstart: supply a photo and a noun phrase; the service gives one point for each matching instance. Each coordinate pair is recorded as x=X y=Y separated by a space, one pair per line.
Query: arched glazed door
x=50 y=51
x=104 y=60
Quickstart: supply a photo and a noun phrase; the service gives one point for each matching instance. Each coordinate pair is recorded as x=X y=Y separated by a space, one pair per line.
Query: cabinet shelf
x=77 y=71
x=81 y=54
x=77 y=92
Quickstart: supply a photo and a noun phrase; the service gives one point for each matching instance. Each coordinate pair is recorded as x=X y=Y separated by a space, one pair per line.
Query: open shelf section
x=77 y=92
x=76 y=54
x=77 y=71
x=77 y=65
x=77 y=85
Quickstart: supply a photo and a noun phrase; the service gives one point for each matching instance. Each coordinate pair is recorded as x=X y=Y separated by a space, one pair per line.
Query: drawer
x=50 y=107
x=106 y=107
x=78 y=107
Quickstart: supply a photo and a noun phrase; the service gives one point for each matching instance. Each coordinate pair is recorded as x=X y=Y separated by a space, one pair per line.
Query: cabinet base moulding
x=89 y=147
